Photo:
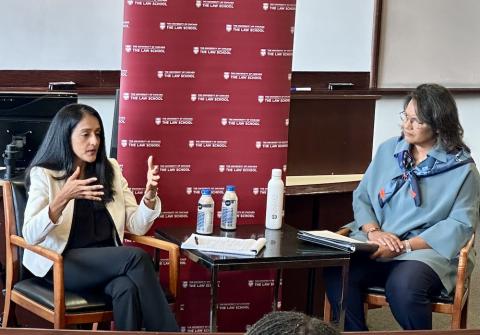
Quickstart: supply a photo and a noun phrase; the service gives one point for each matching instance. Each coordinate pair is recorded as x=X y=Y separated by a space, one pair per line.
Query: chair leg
x=59 y=323
x=9 y=319
x=464 y=316
x=327 y=310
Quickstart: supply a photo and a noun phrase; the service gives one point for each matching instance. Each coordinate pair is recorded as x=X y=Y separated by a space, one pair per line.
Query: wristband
x=372 y=230
x=408 y=246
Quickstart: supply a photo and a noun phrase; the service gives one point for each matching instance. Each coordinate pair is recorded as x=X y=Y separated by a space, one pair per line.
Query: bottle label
x=201 y=206
x=273 y=218
x=205 y=218
x=228 y=218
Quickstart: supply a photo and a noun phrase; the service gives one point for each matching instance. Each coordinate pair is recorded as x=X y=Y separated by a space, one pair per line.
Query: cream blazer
x=38 y=229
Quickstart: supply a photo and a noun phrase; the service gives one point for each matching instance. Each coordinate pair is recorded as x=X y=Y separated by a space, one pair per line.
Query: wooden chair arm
x=173 y=255
x=152 y=242
x=58 y=278
x=49 y=254
x=462 y=271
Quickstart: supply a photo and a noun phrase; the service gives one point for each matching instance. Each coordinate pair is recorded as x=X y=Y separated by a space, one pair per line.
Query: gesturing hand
x=152 y=179
x=75 y=188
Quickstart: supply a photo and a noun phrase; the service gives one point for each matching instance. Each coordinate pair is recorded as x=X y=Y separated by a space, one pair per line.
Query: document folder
x=337 y=241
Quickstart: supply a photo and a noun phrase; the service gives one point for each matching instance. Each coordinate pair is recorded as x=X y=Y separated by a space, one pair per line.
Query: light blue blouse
x=446 y=219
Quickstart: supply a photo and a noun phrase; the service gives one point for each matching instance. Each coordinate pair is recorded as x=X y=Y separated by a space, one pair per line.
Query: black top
x=92 y=226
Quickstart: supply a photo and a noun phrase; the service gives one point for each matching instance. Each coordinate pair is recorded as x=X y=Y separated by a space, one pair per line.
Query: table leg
x=276 y=289
x=341 y=321
x=213 y=300
x=310 y=291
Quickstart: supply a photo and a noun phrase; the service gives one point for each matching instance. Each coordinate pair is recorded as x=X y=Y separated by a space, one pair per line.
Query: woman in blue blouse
x=419 y=202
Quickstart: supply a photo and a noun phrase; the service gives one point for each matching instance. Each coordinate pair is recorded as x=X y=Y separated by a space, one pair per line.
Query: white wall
x=64 y=35
x=430 y=40
x=333 y=35
x=61 y=34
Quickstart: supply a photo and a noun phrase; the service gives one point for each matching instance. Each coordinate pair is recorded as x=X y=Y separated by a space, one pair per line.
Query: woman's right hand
x=386 y=239
x=74 y=188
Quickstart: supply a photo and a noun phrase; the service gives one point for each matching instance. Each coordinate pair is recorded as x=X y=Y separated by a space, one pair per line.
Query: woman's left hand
x=384 y=251
x=152 y=179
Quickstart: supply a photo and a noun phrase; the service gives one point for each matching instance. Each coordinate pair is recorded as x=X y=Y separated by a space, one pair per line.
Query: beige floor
x=382 y=319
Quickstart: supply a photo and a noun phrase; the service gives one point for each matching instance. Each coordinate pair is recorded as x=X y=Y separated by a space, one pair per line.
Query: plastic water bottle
x=205 y=212
x=273 y=218
x=228 y=220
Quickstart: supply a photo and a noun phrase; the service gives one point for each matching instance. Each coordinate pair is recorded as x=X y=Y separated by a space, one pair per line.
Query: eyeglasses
x=416 y=123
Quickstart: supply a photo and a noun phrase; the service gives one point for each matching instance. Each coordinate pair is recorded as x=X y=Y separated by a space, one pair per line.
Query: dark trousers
x=127 y=275
x=408 y=286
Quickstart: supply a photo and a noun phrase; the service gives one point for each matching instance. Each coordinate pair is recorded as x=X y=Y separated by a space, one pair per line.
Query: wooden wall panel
x=330 y=134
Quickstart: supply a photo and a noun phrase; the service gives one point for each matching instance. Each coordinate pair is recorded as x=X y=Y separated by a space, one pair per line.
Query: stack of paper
x=226 y=245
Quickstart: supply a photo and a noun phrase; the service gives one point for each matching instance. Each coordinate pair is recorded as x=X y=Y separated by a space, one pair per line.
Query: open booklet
x=224 y=245
x=334 y=240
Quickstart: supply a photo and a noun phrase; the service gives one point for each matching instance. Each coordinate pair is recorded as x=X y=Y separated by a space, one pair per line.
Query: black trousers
x=408 y=286
x=127 y=275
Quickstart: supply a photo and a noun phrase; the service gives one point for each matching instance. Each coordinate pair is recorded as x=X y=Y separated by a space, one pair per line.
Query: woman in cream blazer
x=39 y=229
x=79 y=205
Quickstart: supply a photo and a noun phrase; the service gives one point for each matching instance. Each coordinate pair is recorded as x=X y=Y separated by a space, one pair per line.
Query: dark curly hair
x=277 y=323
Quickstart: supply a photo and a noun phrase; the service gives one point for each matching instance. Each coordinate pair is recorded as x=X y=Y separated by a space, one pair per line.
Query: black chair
x=52 y=302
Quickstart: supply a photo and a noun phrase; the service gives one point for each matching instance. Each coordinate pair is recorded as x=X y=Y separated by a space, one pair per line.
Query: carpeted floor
x=382 y=319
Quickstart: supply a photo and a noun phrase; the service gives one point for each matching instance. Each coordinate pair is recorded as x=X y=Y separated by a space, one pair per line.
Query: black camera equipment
x=13 y=157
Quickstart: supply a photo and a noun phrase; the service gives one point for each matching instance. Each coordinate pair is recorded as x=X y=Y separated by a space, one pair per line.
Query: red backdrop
x=205 y=88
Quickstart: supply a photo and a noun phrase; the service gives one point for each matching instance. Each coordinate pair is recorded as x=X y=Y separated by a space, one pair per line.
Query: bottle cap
x=276 y=173
x=206 y=191
x=230 y=188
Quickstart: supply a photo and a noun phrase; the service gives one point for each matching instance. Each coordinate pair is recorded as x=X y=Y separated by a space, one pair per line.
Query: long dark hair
x=437 y=108
x=56 y=153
